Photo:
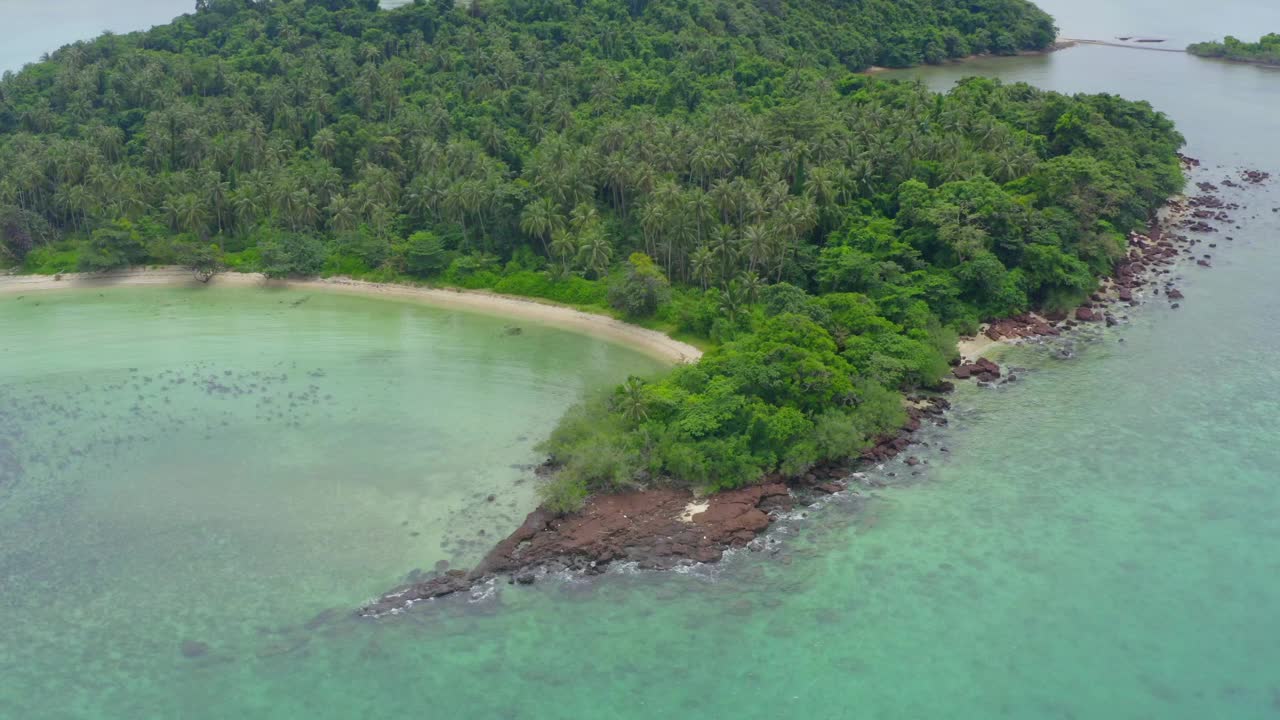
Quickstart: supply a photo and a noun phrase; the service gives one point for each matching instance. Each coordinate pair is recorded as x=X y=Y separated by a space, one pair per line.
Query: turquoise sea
x=1100 y=539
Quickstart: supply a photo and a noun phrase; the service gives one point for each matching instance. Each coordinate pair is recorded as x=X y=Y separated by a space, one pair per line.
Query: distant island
x=1264 y=52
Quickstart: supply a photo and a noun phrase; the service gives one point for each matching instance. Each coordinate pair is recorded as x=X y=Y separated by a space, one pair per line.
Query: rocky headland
x=654 y=529
x=1146 y=271
x=663 y=528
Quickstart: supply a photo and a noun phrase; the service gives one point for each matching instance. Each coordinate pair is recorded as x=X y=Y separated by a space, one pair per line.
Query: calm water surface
x=1100 y=541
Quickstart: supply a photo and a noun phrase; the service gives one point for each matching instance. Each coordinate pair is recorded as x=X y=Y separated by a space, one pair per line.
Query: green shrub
x=563 y=493
x=21 y=231
x=117 y=245
x=423 y=254
x=570 y=290
x=202 y=257
x=473 y=271
x=344 y=264
x=641 y=290
x=693 y=311
x=291 y=255
x=249 y=260
x=51 y=260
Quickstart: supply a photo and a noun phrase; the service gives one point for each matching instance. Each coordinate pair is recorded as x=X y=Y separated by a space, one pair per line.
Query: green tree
x=423 y=254
x=642 y=289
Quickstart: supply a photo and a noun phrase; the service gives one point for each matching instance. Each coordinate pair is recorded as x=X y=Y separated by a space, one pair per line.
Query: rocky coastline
x=655 y=529
x=664 y=528
x=1143 y=274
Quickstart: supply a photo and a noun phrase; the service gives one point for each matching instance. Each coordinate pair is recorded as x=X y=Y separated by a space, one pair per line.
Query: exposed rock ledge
x=644 y=527
x=656 y=529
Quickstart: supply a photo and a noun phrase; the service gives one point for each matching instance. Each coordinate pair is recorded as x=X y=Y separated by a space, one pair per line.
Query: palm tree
x=325 y=143
x=217 y=191
x=584 y=215
x=563 y=246
x=633 y=401
x=702 y=264
x=751 y=285
x=306 y=212
x=617 y=172
x=820 y=186
x=755 y=238
x=653 y=218
x=732 y=301
x=187 y=213
x=595 y=252
x=724 y=246
x=702 y=209
x=342 y=215
x=455 y=202
x=540 y=219
x=724 y=197
x=246 y=207
x=418 y=198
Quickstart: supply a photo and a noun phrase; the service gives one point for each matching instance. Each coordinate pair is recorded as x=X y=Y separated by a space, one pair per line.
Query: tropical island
x=1264 y=52
x=719 y=171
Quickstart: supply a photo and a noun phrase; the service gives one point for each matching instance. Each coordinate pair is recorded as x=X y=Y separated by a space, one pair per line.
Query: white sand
x=693 y=508
x=650 y=342
x=972 y=348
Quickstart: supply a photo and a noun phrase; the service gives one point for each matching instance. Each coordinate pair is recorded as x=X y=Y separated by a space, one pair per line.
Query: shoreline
x=1059 y=44
x=666 y=528
x=662 y=528
x=1238 y=61
x=1128 y=45
x=650 y=342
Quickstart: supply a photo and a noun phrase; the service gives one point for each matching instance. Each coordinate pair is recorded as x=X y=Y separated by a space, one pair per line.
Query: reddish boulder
x=986 y=366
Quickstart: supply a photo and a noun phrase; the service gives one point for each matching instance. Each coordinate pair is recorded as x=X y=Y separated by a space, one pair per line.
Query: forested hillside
x=712 y=167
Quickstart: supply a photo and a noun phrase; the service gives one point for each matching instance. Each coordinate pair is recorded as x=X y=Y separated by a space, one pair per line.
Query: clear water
x=222 y=465
x=1101 y=540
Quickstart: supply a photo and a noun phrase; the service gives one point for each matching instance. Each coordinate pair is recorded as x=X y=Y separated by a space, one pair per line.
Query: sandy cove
x=664 y=528
x=654 y=529
x=649 y=342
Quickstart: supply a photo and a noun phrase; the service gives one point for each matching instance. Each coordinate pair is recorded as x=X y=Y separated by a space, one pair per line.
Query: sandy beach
x=972 y=348
x=650 y=342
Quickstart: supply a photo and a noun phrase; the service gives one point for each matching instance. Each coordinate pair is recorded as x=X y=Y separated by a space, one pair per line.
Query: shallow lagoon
x=205 y=464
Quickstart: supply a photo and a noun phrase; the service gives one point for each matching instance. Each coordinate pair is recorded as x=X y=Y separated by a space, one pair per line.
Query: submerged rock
x=194 y=649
